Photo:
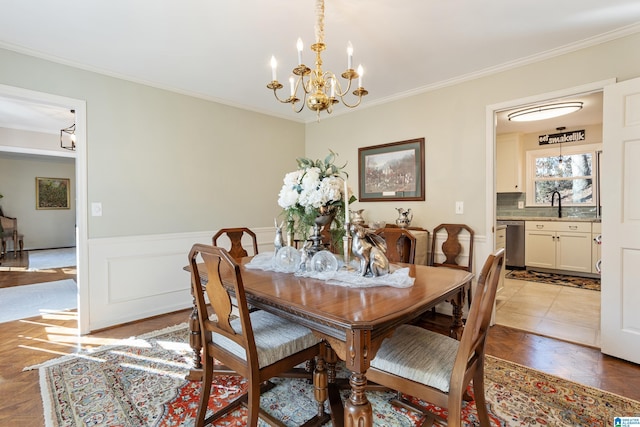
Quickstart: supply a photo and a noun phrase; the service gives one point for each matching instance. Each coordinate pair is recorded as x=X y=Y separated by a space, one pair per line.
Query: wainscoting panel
x=136 y=277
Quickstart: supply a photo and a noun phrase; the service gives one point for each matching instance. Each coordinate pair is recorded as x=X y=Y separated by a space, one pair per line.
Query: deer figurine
x=278 y=242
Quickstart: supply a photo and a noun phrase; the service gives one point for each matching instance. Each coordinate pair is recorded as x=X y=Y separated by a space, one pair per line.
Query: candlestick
x=349 y=55
x=300 y=47
x=274 y=65
x=346 y=203
x=346 y=248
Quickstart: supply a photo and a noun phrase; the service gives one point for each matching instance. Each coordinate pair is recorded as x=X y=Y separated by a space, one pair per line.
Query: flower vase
x=324 y=219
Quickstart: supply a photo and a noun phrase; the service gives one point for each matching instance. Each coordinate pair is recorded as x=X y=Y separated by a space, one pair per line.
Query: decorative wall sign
x=392 y=171
x=557 y=138
x=52 y=193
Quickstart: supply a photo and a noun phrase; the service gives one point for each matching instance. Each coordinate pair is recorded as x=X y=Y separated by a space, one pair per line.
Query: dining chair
x=235 y=236
x=451 y=246
x=401 y=244
x=436 y=368
x=9 y=231
x=452 y=249
x=256 y=345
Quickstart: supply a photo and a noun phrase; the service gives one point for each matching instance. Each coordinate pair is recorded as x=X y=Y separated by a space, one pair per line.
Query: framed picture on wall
x=393 y=171
x=52 y=193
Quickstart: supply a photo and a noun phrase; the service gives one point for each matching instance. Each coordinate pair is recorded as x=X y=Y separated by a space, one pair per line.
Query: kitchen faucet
x=553 y=196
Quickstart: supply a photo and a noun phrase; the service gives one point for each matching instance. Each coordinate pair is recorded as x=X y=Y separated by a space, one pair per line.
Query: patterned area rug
x=555 y=279
x=141 y=383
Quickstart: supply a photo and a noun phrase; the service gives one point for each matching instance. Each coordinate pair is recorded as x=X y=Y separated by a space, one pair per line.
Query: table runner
x=398 y=277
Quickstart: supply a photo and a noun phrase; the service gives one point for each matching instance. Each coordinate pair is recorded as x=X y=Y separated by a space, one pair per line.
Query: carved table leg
x=457 y=326
x=320 y=391
x=331 y=358
x=357 y=409
x=320 y=385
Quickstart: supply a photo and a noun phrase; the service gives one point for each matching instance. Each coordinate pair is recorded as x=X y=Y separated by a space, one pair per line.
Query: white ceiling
x=220 y=50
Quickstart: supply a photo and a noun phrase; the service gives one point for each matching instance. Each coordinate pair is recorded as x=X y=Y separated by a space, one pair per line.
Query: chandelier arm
x=339 y=92
x=351 y=105
x=284 y=101
x=306 y=86
x=293 y=105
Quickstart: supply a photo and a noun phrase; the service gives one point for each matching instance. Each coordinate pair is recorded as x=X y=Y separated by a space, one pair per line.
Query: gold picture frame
x=53 y=193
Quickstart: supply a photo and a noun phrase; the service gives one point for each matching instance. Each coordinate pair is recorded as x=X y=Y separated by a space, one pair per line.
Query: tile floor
x=562 y=312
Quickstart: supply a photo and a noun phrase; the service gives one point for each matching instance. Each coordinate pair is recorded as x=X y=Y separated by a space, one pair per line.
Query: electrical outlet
x=520 y=204
x=459 y=208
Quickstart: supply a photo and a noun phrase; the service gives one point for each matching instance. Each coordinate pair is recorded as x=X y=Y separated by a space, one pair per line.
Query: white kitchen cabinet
x=596 y=230
x=559 y=245
x=509 y=163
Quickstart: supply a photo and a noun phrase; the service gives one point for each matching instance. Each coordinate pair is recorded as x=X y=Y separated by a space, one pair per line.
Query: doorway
x=535 y=307
x=80 y=194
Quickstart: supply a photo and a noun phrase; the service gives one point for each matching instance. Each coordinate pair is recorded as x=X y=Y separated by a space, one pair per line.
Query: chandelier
x=68 y=135
x=320 y=89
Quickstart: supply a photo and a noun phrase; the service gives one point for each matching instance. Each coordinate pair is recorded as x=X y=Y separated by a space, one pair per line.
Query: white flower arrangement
x=316 y=188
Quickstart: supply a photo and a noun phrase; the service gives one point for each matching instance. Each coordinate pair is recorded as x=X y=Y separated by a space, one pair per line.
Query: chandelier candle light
x=321 y=89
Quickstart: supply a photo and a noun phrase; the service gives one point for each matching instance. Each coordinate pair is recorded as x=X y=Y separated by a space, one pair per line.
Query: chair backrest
x=235 y=235
x=473 y=339
x=451 y=247
x=401 y=244
x=221 y=270
x=8 y=224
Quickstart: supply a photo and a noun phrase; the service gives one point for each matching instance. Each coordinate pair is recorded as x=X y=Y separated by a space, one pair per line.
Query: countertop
x=547 y=218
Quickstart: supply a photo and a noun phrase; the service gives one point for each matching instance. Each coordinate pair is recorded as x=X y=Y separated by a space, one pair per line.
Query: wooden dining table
x=353 y=321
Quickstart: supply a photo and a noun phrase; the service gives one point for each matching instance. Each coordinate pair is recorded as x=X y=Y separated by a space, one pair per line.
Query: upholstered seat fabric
x=275 y=337
x=419 y=355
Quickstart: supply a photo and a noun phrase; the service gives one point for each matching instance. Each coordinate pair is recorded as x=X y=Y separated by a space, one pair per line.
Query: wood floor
x=31 y=341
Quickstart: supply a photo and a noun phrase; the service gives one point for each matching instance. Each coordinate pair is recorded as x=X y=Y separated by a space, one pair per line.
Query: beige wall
x=42 y=228
x=452 y=121
x=162 y=162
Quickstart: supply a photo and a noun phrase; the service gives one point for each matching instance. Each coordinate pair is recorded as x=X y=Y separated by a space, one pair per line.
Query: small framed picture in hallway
x=52 y=193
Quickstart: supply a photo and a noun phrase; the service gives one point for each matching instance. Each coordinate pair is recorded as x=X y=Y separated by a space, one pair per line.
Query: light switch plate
x=459 y=208
x=96 y=209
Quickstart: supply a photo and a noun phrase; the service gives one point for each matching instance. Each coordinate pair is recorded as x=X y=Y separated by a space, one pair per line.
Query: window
x=573 y=175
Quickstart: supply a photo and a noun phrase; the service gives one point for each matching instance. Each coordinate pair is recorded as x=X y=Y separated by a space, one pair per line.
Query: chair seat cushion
x=276 y=338
x=419 y=355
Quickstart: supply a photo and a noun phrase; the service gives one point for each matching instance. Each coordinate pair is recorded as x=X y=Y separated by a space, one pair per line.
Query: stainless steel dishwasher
x=515 y=243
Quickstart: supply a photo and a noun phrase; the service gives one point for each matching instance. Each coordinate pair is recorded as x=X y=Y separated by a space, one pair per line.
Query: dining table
x=353 y=321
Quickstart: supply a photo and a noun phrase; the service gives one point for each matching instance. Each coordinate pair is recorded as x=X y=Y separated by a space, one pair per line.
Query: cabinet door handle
x=573 y=227
x=539 y=226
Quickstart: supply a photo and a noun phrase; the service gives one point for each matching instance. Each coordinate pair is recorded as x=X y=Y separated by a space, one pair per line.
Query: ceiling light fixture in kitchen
x=546 y=111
